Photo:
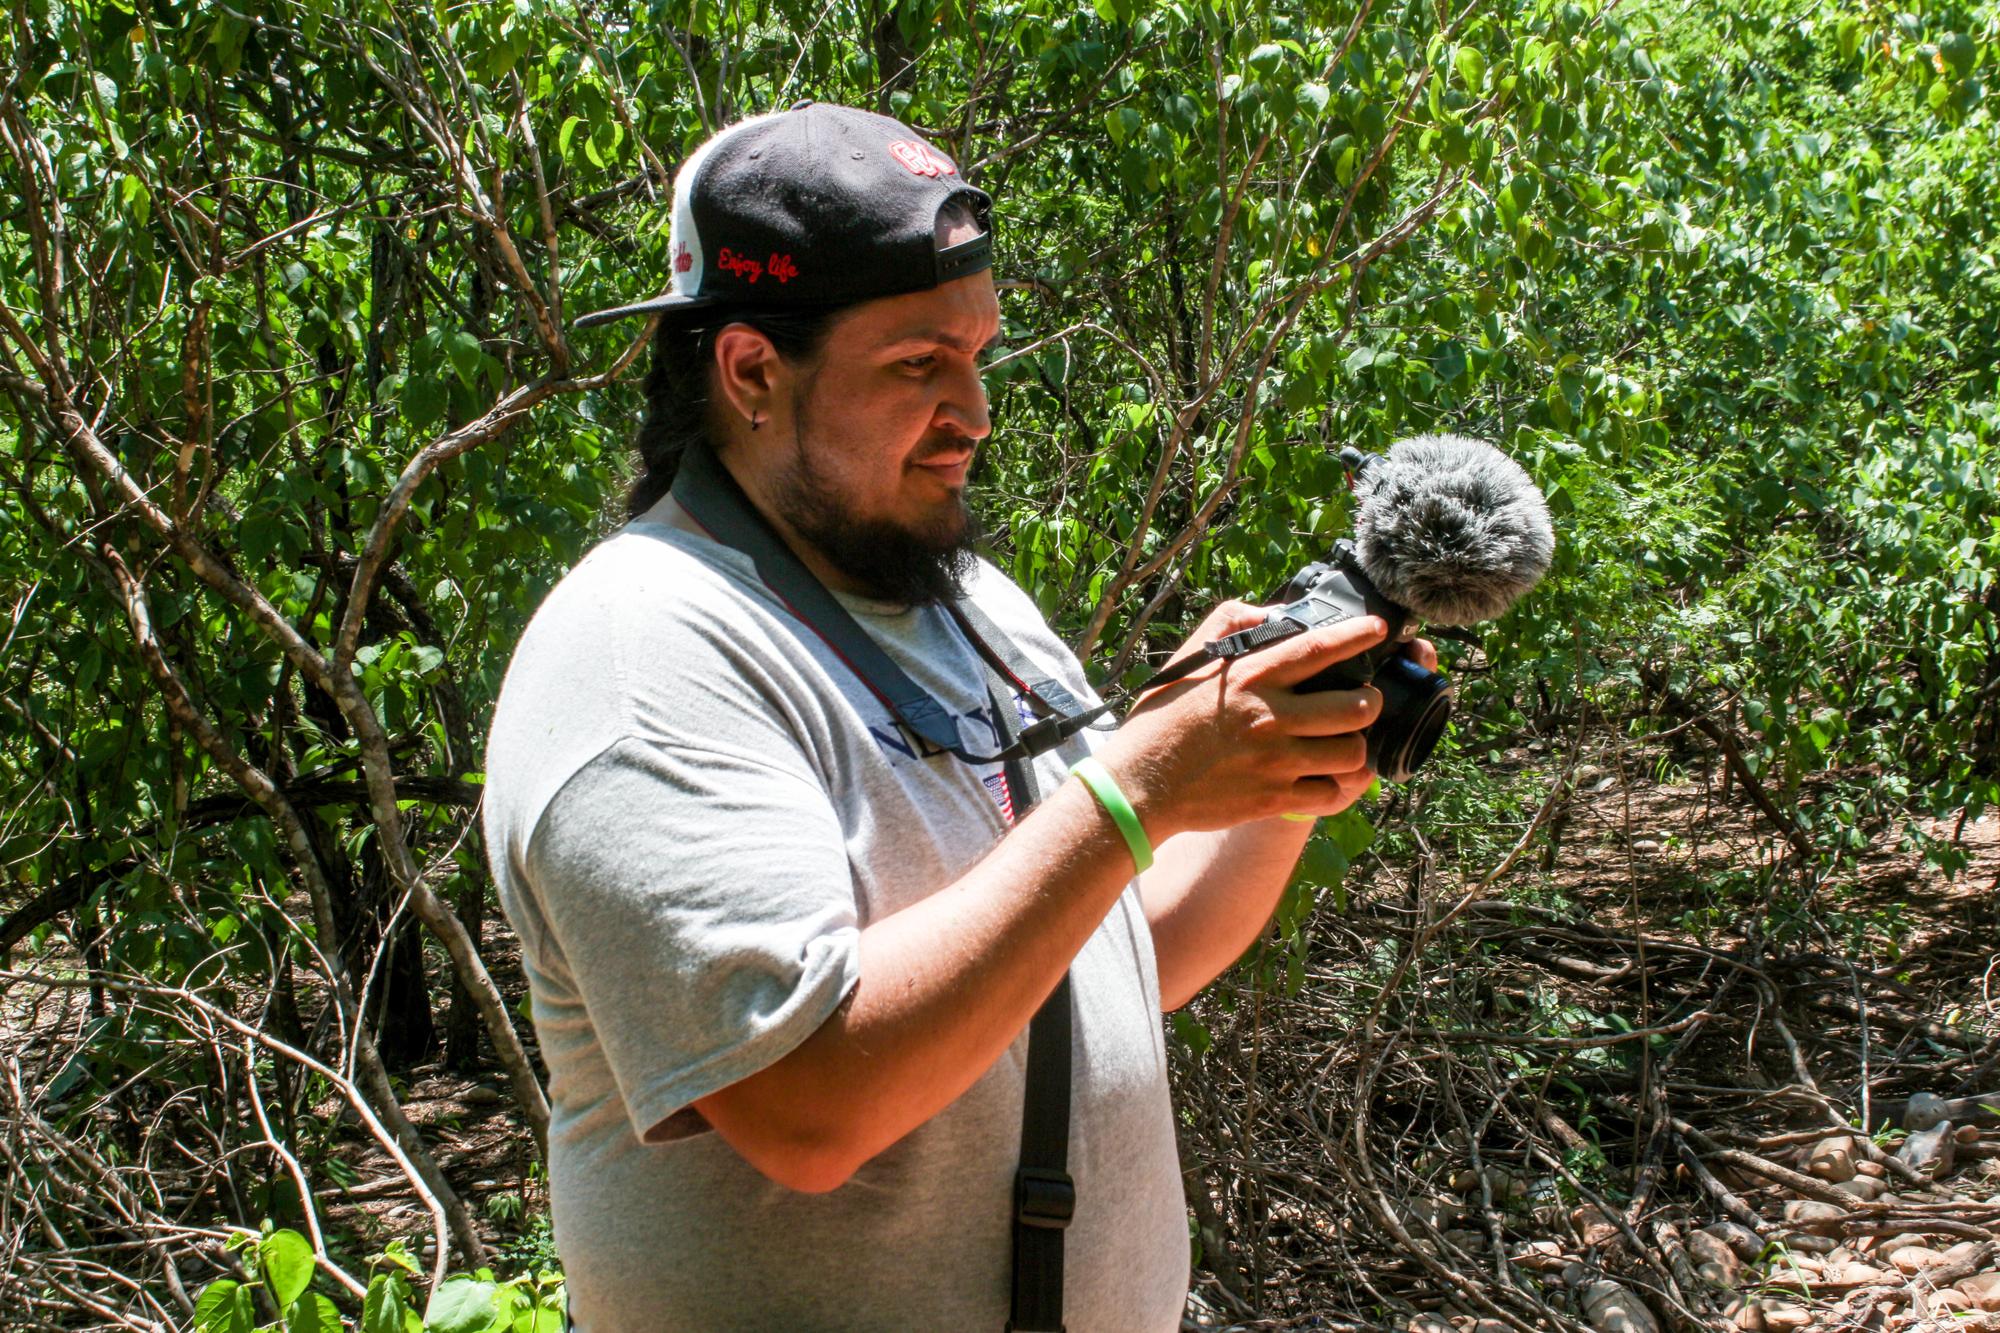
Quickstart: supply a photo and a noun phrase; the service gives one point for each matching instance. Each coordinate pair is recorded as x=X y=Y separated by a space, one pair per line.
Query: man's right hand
x=1235 y=742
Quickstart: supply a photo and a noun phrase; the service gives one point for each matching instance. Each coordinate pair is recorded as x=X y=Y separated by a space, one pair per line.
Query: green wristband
x=1105 y=788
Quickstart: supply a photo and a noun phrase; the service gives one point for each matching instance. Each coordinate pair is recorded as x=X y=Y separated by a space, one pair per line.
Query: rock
x=1855 y=1273
x=1930 y=1151
x=1805 y=1242
x=1947 y=1302
x=1783 y=1315
x=1966 y=1133
x=1812 y=1215
x=1716 y=1275
x=1610 y=1308
x=1748 y=1316
x=1466 y=1181
x=1472 y=1242
x=1747 y=1243
x=1924 y=1111
x=1706 y=1248
x=1489 y=1326
x=1915 y=1258
x=1574 y=1274
x=481 y=1095
x=1429 y=1323
x=1964 y=1249
x=1539 y=1256
x=1832 y=1159
x=1983 y=1291
x=1873 y=1170
x=1863 y=1188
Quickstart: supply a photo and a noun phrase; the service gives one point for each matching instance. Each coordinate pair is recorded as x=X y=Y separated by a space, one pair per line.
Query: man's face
x=884 y=426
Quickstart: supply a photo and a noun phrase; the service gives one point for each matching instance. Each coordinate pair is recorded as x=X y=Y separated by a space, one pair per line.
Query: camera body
x=1416 y=703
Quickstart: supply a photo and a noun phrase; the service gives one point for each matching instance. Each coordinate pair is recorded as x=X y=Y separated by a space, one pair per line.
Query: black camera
x=1416 y=703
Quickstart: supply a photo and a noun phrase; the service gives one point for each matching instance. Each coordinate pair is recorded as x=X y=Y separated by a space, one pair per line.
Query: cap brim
x=664 y=304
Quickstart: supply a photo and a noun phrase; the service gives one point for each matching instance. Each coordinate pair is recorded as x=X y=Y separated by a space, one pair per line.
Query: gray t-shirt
x=693 y=808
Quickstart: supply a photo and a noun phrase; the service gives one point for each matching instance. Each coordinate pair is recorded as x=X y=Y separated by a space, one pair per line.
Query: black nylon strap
x=1044 y=1193
x=704 y=488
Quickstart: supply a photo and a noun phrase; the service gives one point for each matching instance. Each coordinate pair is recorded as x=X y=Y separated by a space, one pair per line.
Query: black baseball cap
x=819 y=205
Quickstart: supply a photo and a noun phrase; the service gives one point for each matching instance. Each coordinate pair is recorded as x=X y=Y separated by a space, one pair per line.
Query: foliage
x=300 y=438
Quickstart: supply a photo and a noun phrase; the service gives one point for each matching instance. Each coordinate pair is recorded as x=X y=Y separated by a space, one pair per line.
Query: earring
x=755 y=421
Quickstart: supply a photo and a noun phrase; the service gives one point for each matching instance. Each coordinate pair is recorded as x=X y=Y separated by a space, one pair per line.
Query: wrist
x=1104 y=788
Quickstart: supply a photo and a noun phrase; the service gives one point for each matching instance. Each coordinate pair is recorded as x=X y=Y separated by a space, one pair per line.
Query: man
x=783 y=951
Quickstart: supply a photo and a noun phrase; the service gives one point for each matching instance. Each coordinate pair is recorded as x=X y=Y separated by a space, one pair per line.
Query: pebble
x=1915 y=1258
x=1717 y=1275
x=1832 y=1159
x=1873 y=1170
x=1948 y=1301
x=1930 y=1151
x=481 y=1095
x=1812 y=1215
x=1430 y=1323
x=1705 y=1247
x=1747 y=1243
x=1983 y=1291
x=1964 y=1249
x=1863 y=1188
x=1747 y=1315
x=1855 y=1273
x=1781 y=1315
x=1610 y=1308
x=1966 y=1133
x=1540 y=1256
x=1923 y=1111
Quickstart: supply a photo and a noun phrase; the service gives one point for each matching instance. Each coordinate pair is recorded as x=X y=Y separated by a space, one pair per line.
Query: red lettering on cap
x=747 y=269
x=921 y=159
x=782 y=268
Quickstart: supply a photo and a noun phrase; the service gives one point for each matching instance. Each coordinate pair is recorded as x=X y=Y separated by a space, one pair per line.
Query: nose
x=962 y=410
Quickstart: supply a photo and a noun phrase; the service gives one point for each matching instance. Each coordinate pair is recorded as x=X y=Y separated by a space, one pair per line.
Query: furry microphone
x=1449 y=527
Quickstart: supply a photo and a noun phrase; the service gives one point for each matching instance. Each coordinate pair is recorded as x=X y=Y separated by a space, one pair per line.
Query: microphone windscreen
x=1451 y=528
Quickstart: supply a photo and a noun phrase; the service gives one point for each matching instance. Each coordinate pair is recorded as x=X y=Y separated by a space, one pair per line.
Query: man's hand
x=1235 y=742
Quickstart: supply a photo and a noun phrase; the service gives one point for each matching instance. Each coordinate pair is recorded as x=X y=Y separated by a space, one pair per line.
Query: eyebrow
x=932 y=337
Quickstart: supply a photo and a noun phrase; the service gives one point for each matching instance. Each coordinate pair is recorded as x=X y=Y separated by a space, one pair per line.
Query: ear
x=747 y=367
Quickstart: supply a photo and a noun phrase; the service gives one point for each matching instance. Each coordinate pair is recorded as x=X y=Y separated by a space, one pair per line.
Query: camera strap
x=1044 y=1193
x=712 y=498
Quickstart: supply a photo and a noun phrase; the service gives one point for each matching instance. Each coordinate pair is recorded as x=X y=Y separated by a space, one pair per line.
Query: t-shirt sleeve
x=702 y=904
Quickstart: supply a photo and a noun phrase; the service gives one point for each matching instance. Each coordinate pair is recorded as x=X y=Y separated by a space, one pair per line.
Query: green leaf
x=461 y=1305
x=1267 y=58
x=1959 y=51
x=465 y=354
x=313 y=1313
x=287 y=1258
x=385 y=1305
x=1470 y=63
x=225 y=1307
x=568 y=132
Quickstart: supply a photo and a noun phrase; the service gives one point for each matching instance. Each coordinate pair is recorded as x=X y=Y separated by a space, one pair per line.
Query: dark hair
x=679 y=415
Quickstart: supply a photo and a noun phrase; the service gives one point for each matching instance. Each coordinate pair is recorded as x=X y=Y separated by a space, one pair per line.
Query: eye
x=924 y=362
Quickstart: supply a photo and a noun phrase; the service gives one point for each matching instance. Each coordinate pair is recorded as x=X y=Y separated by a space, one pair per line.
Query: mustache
x=943 y=446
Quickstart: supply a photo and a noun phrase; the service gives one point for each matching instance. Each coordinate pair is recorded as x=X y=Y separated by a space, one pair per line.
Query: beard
x=914 y=566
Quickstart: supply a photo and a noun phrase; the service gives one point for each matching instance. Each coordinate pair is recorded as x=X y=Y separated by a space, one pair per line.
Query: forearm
x=945 y=986
x=1209 y=895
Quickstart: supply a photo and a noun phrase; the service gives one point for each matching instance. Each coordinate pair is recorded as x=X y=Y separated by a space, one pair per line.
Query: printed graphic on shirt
x=996 y=784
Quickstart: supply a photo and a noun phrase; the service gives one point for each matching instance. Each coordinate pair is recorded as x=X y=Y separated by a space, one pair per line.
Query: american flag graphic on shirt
x=996 y=785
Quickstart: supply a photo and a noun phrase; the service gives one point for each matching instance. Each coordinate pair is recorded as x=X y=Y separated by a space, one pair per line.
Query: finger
x=1326 y=712
x=1323 y=756
x=1294 y=660
x=1330 y=795
x=1425 y=653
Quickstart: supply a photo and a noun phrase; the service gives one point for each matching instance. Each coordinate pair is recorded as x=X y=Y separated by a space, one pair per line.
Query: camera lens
x=1416 y=705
